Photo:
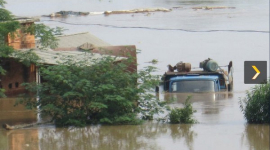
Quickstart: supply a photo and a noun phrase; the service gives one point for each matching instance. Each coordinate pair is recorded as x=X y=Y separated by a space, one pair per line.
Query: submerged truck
x=210 y=78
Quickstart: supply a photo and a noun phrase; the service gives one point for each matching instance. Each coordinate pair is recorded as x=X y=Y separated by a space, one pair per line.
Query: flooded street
x=184 y=34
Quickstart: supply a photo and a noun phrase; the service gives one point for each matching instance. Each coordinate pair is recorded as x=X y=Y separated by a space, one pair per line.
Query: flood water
x=221 y=123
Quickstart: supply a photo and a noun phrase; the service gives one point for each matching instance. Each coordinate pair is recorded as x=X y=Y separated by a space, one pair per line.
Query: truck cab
x=194 y=83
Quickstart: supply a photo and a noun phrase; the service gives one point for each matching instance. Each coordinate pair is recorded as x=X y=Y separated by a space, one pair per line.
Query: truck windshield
x=193 y=86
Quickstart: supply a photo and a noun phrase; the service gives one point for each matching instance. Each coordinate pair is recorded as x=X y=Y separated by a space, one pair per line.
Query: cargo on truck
x=208 y=77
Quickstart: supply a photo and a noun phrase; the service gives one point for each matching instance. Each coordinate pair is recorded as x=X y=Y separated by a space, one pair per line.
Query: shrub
x=182 y=115
x=255 y=105
x=75 y=93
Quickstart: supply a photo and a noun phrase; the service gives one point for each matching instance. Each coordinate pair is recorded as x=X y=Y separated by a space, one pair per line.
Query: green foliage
x=2 y=3
x=76 y=93
x=26 y=57
x=7 y=26
x=44 y=34
x=148 y=103
x=182 y=115
x=5 y=51
x=5 y=14
x=2 y=91
x=256 y=104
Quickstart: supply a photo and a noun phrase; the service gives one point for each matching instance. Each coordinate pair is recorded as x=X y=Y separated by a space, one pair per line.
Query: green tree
x=256 y=104
x=7 y=26
x=75 y=93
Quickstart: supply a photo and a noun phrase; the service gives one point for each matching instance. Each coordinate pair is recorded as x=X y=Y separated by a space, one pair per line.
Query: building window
x=10 y=85
x=17 y=84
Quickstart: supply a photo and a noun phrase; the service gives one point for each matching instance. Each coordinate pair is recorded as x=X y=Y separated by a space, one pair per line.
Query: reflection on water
x=19 y=139
x=132 y=137
x=124 y=137
x=218 y=108
x=185 y=132
x=257 y=136
x=205 y=103
x=198 y=97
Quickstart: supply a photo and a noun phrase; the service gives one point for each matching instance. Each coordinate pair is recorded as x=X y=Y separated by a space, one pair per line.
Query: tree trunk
x=9 y=127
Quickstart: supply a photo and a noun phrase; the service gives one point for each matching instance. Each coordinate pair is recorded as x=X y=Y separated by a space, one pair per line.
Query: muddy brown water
x=221 y=123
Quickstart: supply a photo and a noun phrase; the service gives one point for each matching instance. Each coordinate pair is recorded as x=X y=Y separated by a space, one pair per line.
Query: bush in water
x=182 y=115
x=75 y=93
x=256 y=104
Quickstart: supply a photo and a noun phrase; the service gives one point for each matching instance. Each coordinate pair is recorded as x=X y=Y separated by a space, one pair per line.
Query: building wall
x=16 y=74
x=21 y=40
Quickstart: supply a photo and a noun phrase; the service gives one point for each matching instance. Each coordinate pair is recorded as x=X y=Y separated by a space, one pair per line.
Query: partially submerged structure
x=76 y=45
x=79 y=13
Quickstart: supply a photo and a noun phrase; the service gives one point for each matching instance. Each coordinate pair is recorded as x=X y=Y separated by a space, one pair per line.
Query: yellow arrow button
x=258 y=72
